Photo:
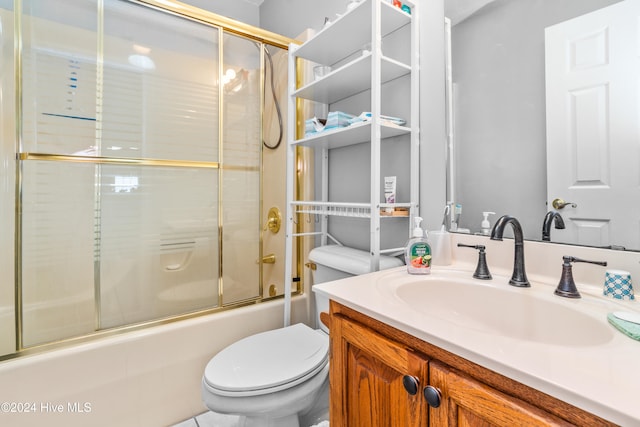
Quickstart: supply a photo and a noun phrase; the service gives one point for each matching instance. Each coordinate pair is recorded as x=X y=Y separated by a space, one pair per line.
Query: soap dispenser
x=418 y=252
x=485 y=224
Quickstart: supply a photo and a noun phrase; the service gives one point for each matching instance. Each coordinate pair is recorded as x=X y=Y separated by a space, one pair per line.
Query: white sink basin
x=521 y=313
x=561 y=346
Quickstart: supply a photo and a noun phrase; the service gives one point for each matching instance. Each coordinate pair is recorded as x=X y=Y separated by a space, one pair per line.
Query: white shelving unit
x=354 y=48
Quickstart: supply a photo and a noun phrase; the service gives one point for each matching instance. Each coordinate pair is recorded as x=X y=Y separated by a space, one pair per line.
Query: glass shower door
x=120 y=167
x=241 y=169
x=158 y=223
x=56 y=200
x=140 y=167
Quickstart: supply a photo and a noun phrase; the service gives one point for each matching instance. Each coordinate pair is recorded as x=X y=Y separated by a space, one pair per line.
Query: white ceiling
x=456 y=10
x=459 y=10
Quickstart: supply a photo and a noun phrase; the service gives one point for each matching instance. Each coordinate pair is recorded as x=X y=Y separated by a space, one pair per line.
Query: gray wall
x=499 y=103
x=432 y=113
x=291 y=17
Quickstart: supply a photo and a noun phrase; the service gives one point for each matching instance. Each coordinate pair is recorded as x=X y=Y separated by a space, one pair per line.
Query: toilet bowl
x=280 y=378
x=270 y=378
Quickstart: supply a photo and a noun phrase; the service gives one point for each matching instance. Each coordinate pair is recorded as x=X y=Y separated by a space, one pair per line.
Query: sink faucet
x=519 y=276
x=546 y=224
x=482 y=269
x=566 y=286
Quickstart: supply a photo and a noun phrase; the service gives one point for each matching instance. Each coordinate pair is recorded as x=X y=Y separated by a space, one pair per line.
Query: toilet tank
x=335 y=262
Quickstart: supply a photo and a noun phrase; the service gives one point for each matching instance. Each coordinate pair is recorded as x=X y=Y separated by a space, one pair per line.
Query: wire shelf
x=354 y=210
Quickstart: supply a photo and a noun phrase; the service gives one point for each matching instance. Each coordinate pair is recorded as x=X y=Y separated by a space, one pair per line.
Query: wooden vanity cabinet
x=366 y=379
x=467 y=402
x=378 y=376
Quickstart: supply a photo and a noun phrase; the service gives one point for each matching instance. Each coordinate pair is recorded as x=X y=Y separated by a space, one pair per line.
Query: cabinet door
x=468 y=403
x=367 y=379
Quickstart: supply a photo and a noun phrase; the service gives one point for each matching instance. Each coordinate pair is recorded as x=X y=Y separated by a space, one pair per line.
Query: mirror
x=499 y=122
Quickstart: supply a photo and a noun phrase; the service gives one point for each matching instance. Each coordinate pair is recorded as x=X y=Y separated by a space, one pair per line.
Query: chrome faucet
x=519 y=276
x=551 y=216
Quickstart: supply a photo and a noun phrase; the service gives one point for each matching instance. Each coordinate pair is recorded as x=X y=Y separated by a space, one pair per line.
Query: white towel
x=322 y=424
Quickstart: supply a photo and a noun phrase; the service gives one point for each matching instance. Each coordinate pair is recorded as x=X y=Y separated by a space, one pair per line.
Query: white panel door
x=593 y=121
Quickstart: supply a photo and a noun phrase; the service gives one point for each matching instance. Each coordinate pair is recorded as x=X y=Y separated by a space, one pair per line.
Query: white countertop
x=603 y=379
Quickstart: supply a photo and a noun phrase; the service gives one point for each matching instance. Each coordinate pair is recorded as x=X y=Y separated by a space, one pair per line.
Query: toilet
x=280 y=378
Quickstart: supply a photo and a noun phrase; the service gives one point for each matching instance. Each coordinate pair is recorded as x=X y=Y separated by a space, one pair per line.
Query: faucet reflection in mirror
x=519 y=276
x=551 y=217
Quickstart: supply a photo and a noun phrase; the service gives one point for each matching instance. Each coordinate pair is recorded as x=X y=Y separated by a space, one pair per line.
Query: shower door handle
x=268 y=259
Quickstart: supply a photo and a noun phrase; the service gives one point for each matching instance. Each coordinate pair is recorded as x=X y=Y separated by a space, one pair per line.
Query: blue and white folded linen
x=338 y=119
x=335 y=119
x=366 y=116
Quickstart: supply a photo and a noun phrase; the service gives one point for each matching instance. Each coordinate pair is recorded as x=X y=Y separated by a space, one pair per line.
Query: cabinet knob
x=432 y=395
x=411 y=384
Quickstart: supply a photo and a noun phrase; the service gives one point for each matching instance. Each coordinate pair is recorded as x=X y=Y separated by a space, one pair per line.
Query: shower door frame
x=224 y=25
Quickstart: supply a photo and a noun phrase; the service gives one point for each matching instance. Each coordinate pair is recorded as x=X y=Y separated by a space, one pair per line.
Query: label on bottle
x=420 y=255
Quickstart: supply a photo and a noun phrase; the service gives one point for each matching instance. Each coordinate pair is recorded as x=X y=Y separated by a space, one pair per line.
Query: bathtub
x=148 y=377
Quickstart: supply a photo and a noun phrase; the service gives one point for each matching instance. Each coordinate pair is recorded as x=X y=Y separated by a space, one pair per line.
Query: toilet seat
x=268 y=362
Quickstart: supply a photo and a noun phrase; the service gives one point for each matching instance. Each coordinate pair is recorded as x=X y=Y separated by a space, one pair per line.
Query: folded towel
x=337 y=119
x=314 y=125
x=630 y=329
x=366 y=116
x=322 y=424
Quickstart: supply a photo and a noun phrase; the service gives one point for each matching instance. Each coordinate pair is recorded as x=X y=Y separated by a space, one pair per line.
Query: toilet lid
x=268 y=361
x=350 y=260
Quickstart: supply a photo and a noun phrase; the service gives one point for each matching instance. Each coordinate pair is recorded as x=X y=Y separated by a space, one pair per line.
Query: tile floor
x=212 y=419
